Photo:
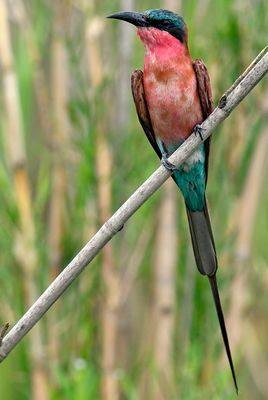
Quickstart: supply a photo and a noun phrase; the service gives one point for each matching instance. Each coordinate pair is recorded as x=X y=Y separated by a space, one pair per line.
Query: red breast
x=170 y=86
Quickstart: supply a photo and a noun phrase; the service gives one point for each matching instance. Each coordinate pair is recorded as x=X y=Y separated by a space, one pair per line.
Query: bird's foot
x=167 y=164
x=198 y=131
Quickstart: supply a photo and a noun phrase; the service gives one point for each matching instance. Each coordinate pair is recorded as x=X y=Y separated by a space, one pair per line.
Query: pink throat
x=161 y=42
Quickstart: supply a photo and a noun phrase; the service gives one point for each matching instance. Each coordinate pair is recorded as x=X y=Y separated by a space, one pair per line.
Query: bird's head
x=156 y=25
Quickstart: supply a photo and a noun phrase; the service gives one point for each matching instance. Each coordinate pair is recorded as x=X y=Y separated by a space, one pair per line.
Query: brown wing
x=205 y=95
x=141 y=108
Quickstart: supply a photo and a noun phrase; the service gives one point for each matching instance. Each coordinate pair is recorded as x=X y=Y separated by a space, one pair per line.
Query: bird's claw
x=198 y=131
x=167 y=164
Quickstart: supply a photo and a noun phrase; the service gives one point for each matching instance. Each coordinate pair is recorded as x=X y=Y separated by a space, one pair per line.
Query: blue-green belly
x=191 y=178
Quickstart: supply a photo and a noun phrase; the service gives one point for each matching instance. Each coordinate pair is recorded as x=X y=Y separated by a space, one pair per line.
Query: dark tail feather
x=217 y=301
x=206 y=261
x=202 y=241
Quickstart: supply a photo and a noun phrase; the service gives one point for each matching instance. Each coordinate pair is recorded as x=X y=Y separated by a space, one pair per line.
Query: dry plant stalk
x=134 y=262
x=164 y=298
x=109 y=385
x=256 y=360
x=248 y=208
x=228 y=102
x=186 y=309
x=129 y=292
x=25 y=239
x=125 y=49
x=59 y=144
x=173 y=5
x=23 y=21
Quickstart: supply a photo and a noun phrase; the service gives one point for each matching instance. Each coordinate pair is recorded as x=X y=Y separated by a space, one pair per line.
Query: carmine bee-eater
x=172 y=97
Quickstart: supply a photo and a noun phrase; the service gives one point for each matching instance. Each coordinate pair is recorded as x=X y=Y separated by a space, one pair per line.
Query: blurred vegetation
x=72 y=152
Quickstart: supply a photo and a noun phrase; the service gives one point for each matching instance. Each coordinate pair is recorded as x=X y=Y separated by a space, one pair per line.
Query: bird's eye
x=165 y=22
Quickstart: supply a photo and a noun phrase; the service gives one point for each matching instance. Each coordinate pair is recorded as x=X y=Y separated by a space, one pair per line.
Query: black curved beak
x=134 y=18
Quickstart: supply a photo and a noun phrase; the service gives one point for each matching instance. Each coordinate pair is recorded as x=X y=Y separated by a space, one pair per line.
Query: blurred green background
x=139 y=323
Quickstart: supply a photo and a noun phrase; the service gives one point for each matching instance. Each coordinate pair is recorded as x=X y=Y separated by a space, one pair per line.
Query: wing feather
x=205 y=95
x=142 y=109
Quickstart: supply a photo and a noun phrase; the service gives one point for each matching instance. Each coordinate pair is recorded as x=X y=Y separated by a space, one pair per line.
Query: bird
x=173 y=96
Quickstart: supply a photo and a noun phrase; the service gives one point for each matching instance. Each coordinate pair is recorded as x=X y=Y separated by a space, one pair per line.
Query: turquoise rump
x=190 y=177
x=191 y=181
